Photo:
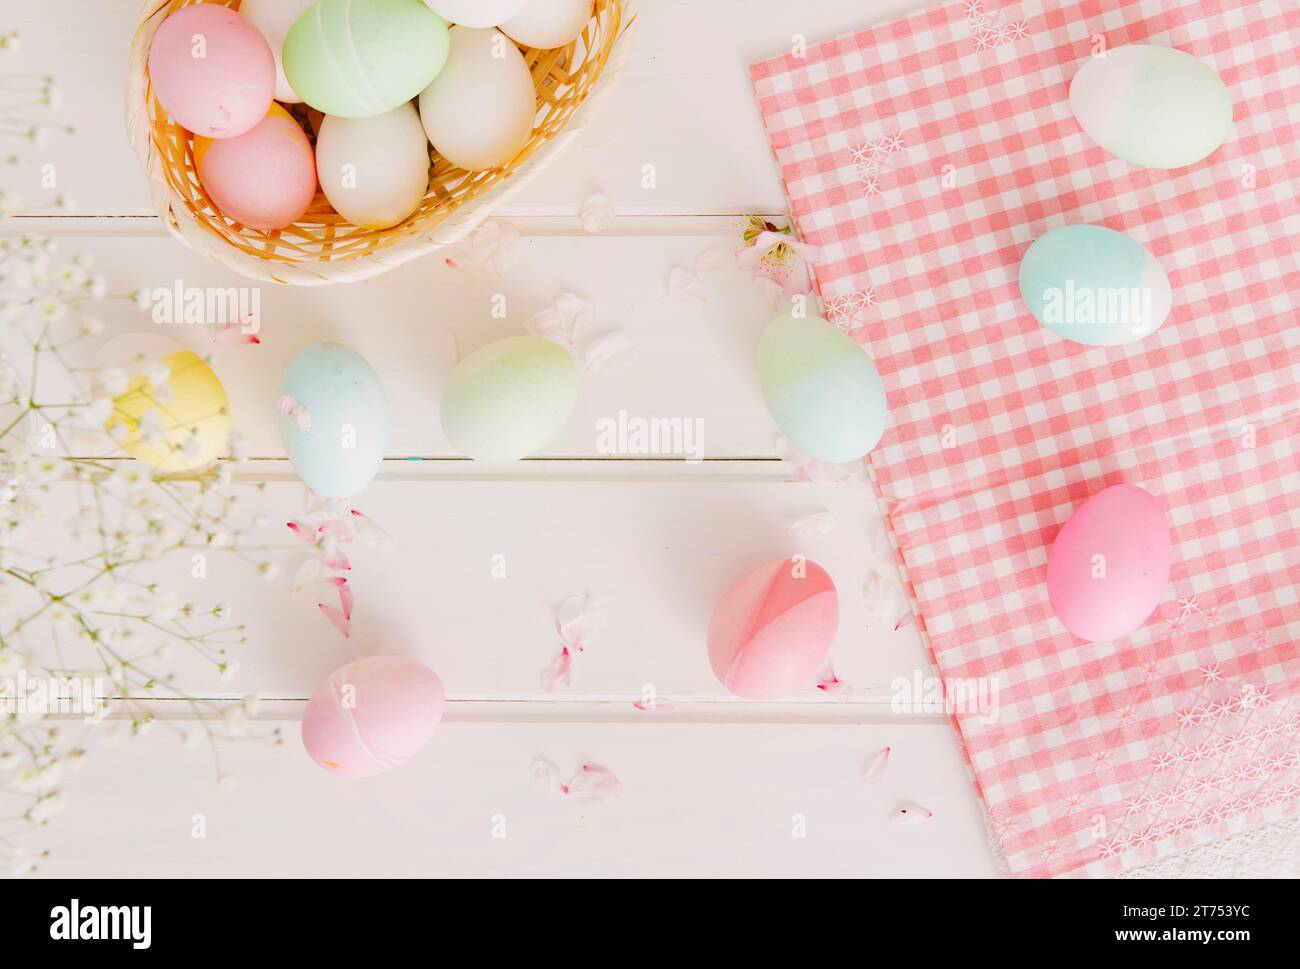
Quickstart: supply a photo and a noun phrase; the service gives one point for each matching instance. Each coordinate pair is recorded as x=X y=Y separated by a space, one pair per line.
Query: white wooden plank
x=683 y=105
x=696 y=801
x=689 y=362
x=655 y=554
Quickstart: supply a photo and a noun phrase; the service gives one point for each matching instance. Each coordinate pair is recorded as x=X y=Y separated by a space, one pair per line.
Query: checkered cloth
x=924 y=156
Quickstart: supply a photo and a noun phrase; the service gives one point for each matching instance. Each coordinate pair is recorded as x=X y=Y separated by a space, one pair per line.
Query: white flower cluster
x=78 y=520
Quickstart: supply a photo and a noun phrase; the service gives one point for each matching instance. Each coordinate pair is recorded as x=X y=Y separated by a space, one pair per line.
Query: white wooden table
x=712 y=785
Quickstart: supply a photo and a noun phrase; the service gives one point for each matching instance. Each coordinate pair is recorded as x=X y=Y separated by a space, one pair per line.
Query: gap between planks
x=533 y=225
x=721 y=711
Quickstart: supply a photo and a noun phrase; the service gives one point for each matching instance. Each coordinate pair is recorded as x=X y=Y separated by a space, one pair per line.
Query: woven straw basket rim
x=325 y=248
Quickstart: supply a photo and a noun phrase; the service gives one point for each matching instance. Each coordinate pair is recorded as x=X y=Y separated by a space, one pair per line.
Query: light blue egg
x=340 y=449
x=821 y=388
x=1094 y=285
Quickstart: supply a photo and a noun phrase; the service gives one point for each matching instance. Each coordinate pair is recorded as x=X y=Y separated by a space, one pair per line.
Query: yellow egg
x=194 y=418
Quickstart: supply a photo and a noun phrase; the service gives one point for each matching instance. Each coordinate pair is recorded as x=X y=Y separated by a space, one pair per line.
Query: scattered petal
x=832 y=685
x=233 y=335
x=875 y=768
x=575 y=622
x=290 y=407
x=369 y=532
x=597 y=214
x=561 y=322
x=336 y=561
x=336 y=528
x=548 y=775
x=686 y=288
x=559 y=673
x=593 y=783
x=306 y=533
x=654 y=703
x=604 y=348
x=340 y=621
x=346 y=600
x=820 y=522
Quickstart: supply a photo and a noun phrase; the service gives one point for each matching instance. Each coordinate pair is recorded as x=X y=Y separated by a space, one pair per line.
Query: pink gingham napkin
x=923 y=156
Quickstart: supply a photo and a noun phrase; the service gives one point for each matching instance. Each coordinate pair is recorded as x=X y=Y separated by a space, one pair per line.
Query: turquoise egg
x=509 y=398
x=1157 y=107
x=821 y=388
x=1094 y=285
x=344 y=416
x=361 y=58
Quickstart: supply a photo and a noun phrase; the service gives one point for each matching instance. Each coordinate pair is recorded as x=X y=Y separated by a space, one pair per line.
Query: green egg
x=360 y=58
x=1157 y=107
x=509 y=398
x=821 y=388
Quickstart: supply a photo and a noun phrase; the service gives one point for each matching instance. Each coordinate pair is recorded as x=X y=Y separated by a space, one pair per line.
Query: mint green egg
x=1158 y=107
x=1094 y=285
x=821 y=388
x=509 y=398
x=360 y=58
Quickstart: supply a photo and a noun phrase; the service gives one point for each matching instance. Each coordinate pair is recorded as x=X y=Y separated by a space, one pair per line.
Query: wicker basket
x=323 y=247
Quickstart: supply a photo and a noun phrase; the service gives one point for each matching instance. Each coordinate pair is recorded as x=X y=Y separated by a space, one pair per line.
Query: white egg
x=476 y=13
x=479 y=110
x=273 y=18
x=548 y=23
x=374 y=170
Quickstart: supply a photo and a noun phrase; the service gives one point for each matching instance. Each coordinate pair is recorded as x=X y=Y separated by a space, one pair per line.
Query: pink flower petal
x=909 y=812
x=875 y=768
x=906 y=619
x=548 y=775
x=340 y=621
x=686 y=288
x=575 y=622
x=832 y=685
x=346 y=600
x=593 y=783
x=369 y=532
x=559 y=673
x=654 y=703
x=232 y=334
x=590 y=783
x=338 y=529
x=336 y=561
x=290 y=406
x=305 y=532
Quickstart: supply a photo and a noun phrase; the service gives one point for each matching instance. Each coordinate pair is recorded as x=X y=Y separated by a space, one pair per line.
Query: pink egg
x=372 y=715
x=1109 y=566
x=265 y=178
x=211 y=70
x=772 y=631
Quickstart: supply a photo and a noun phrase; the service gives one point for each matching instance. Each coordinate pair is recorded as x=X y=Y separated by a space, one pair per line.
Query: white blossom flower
x=114 y=381
x=157 y=374
x=151 y=428
x=51 y=308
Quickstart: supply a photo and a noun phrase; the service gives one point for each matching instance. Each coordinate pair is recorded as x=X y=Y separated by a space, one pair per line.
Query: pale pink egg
x=265 y=178
x=1109 y=566
x=211 y=70
x=372 y=715
x=771 y=632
